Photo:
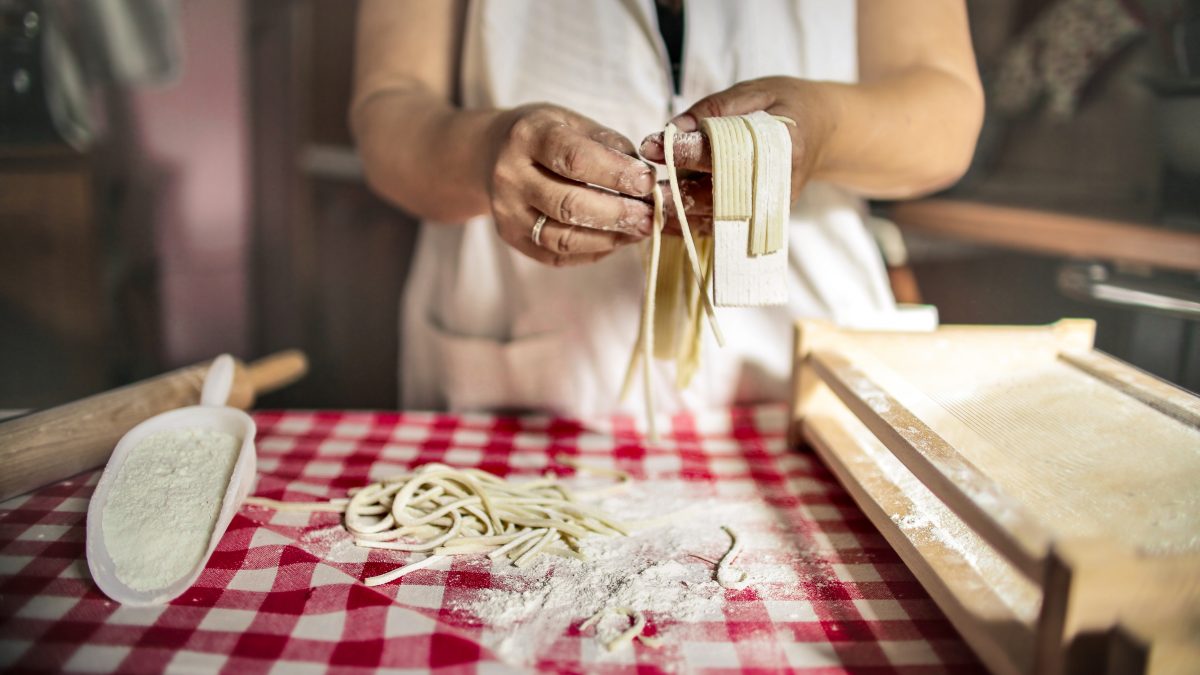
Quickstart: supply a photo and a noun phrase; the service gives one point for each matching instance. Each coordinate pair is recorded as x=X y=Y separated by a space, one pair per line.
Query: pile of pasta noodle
x=743 y=262
x=442 y=511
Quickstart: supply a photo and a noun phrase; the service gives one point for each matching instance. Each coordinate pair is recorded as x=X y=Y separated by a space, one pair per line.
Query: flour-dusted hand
x=584 y=177
x=782 y=96
x=696 y=195
x=906 y=128
x=446 y=163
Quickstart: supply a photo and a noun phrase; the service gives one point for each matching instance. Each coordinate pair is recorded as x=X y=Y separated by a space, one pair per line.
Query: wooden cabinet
x=55 y=330
x=329 y=257
x=50 y=257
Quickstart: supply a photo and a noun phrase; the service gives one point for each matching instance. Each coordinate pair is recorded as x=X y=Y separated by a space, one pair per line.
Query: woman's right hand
x=584 y=177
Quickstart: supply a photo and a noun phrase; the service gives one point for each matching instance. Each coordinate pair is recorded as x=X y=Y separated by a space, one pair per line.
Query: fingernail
x=645 y=224
x=685 y=122
x=644 y=183
x=652 y=146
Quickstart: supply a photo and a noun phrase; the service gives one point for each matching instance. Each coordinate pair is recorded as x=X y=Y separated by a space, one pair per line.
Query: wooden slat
x=936 y=462
x=1162 y=396
x=1054 y=233
x=999 y=636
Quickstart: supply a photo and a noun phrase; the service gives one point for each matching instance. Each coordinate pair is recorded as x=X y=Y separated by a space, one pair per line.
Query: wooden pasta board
x=1046 y=495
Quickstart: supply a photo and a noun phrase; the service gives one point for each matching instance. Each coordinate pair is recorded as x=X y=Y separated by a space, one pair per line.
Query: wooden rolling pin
x=50 y=445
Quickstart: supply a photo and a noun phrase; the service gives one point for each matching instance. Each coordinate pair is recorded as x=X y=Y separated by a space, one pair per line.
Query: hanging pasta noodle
x=744 y=262
x=669 y=299
x=751 y=203
x=643 y=349
x=772 y=182
x=442 y=511
x=697 y=263
x=733 y=168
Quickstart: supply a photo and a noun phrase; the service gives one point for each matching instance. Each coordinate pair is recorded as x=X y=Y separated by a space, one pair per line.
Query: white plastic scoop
x=211 y=414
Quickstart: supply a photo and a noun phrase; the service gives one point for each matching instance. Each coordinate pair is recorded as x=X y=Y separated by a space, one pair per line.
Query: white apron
x=485 y=328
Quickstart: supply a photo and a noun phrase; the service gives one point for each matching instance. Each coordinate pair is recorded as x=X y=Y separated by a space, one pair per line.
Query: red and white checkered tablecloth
x=274 y=598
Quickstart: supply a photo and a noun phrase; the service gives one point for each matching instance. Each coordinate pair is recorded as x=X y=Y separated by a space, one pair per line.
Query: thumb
x=739 y=99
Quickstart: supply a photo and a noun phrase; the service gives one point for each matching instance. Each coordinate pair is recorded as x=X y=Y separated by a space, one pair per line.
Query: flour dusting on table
x=653 y=571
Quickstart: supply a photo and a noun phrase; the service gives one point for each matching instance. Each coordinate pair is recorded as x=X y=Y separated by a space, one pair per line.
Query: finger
x=545 y=257
x=742 y=98
x=614 y=140
x=515 y=223
x=572 y=154
x=577 y=204
x=689 y=150
x=524 y=243
x=695 y=193
x=573 y=240
x=601 y=134
x=652 y=148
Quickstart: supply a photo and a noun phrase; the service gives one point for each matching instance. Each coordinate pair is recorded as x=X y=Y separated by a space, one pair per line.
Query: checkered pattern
x=281 y=593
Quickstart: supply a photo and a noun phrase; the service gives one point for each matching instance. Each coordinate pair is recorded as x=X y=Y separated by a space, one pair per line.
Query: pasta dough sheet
x=742 y=280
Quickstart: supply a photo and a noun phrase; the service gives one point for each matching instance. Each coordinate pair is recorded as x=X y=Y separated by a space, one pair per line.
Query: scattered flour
x=931 y=520
x=335 y=544
x=653 y=571
x=164 y=504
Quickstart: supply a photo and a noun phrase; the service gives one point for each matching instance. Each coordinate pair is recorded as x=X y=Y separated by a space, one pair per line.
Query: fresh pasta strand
x=669 y=299
x=629 y=634
x=388 y=577
x=686 y=231
x=647 y=341
x=277 y=505
x=727 y=575
x=443 y=512
x=772 y=182
x=743 y=263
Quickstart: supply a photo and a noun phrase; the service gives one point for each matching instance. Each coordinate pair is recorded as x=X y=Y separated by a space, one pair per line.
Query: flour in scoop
x=164 y=504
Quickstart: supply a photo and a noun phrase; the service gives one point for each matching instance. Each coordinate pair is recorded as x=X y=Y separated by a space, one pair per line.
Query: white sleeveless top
x=484 y=327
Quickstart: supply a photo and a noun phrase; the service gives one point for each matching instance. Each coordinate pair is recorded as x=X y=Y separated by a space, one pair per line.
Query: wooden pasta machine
x=1046 y=495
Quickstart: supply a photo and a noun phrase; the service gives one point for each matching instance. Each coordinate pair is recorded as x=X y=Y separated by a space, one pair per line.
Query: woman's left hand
x=784 y=96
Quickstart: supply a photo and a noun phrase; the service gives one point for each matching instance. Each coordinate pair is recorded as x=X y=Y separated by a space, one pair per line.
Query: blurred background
x=177 y=180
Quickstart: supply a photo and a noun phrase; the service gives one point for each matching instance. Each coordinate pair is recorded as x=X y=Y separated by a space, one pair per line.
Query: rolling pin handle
x=266 y=375
x=277 y=371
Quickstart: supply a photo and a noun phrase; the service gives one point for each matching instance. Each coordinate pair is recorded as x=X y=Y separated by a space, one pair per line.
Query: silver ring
x=536 y=232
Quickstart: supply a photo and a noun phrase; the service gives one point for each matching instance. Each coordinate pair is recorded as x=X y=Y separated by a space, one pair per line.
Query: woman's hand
x=447 y=164
x=696 y=194
x=906 y=128
x=584 y=177
x=784 y=96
